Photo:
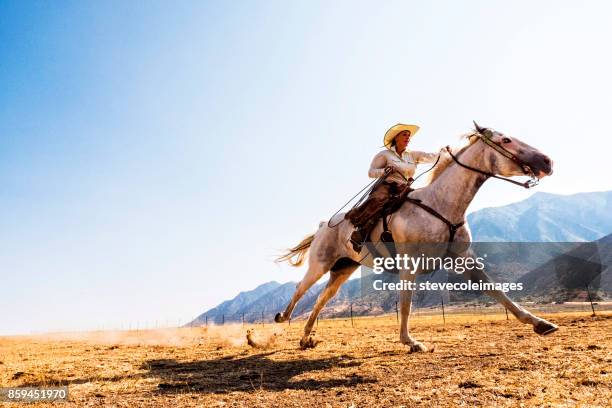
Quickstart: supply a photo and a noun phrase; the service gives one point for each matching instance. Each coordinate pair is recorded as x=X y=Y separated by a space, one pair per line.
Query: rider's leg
x=365 y=217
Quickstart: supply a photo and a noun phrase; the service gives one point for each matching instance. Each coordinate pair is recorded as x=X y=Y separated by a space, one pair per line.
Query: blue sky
x=155 y=156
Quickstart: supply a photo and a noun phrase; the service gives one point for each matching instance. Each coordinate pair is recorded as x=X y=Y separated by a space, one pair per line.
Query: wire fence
x=355 y=311
x=442 y=311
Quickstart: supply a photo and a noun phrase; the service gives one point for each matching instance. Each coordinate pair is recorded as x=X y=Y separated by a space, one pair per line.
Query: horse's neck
x=452 y=192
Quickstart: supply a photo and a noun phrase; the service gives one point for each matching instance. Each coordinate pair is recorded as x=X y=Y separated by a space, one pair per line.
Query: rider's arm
x=422 y=157
x=377 y=168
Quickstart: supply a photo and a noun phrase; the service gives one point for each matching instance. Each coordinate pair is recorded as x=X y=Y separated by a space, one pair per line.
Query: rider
x=396 y=165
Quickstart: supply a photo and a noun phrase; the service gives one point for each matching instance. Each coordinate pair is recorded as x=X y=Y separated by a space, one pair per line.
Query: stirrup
x=357 y=246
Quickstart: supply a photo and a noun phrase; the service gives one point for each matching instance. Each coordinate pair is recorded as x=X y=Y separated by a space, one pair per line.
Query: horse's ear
x=478 y=128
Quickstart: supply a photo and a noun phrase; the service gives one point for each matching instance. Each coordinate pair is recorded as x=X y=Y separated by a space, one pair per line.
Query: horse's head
x=510 y=156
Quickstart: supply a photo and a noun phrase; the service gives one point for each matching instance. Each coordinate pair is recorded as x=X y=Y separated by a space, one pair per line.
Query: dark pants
x=365 y=217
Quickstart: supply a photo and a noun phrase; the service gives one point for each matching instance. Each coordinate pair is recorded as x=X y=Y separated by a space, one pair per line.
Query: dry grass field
x=481 y=360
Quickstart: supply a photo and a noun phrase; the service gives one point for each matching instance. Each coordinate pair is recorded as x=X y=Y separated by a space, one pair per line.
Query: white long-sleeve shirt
x=406 y=164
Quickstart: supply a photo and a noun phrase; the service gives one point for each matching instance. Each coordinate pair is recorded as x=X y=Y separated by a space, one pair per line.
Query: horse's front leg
x=540 y=326
x=405 y=307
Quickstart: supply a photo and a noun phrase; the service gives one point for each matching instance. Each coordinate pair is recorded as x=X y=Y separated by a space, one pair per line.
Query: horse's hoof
x=310 y=342
x=418 y=347
x=543 y=328
x=278 y=318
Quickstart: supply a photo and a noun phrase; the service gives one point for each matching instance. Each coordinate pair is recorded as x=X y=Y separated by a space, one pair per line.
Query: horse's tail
x=298 y=252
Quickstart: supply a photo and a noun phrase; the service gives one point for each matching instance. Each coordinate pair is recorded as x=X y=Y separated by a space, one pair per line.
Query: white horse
x=452 y=185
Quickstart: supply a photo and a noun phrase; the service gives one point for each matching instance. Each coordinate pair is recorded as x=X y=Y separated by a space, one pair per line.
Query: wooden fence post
x=396 y=312
x=590 y=300
x=443 y=314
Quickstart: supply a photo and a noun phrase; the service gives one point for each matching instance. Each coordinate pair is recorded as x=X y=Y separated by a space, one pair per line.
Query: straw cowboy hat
x=397 y=129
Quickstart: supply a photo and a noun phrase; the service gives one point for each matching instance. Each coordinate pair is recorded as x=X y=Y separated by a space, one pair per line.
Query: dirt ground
x=477 y=360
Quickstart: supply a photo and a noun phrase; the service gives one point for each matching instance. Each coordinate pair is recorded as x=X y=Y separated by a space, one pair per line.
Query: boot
x=360 y=235
x=357 y=239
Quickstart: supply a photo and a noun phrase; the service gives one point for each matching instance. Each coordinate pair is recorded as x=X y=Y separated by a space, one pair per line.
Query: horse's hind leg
x=316 y=269
x=336 y=279
x=405 y=296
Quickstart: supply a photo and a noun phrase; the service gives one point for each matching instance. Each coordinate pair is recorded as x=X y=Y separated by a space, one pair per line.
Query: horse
x=452 y=184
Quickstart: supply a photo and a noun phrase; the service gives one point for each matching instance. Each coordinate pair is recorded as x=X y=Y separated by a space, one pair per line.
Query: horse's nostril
x=547 y=161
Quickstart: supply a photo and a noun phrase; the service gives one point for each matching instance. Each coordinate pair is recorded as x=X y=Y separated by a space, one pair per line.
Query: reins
x=370 y=186
x=532 y=182
x=453 y=228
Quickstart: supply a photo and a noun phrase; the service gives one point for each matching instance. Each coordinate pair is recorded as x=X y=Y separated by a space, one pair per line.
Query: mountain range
x=543 y=217
x=546 y=217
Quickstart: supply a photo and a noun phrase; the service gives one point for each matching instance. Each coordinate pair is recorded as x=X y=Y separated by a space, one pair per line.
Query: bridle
x=533 y=180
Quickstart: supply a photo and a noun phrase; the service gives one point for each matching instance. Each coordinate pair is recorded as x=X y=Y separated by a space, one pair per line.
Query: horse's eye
x=506 y=140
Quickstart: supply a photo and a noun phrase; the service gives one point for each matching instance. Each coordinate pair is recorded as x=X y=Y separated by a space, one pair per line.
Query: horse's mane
x=446 y=159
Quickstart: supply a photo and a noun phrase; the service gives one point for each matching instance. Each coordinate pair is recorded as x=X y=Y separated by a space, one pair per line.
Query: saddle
x=386 y=237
